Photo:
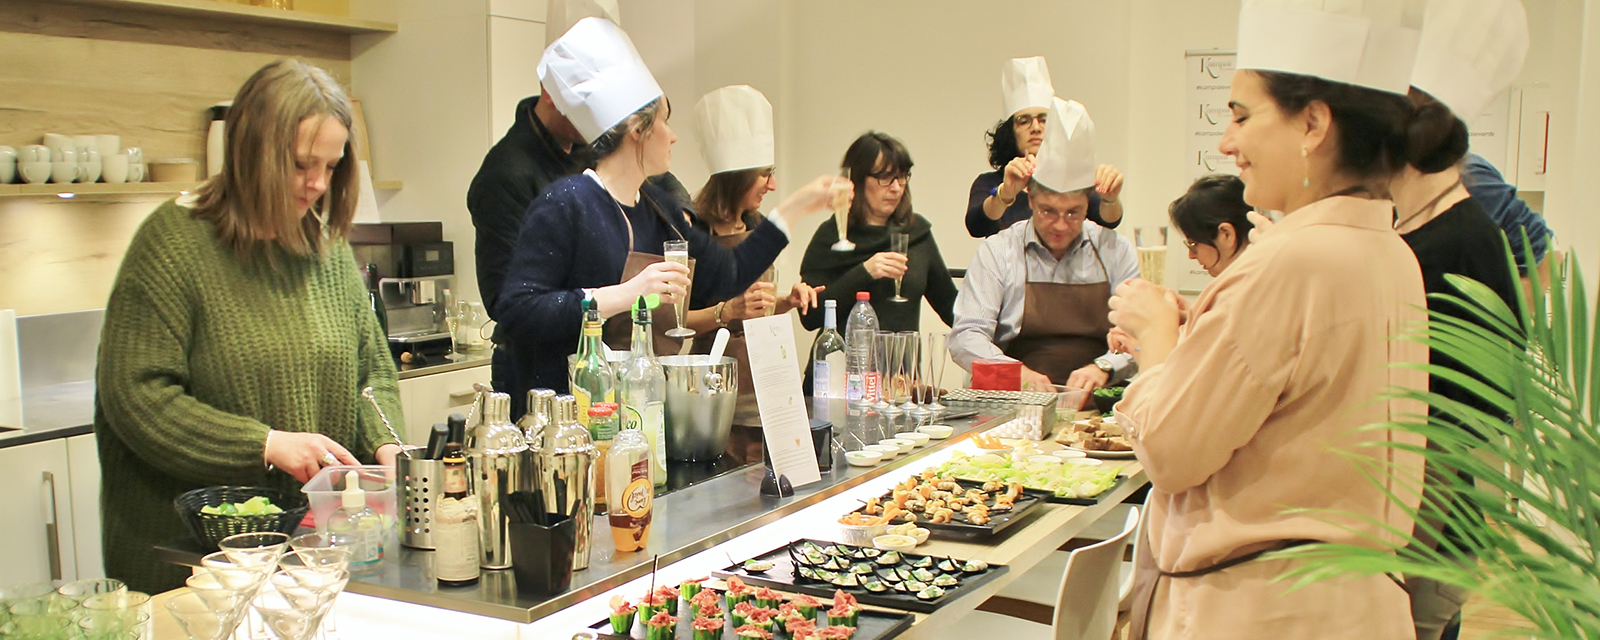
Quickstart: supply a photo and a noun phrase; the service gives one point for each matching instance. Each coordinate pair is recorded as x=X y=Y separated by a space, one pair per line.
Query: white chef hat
x=1470 y=51
x=560 y=15
x=735 y=129
x=1368 y=43
x=595 y=77
x=1066 y=157
x=1024 y=83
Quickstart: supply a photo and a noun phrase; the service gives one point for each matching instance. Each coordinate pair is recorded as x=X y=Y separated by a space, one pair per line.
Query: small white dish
x=921 y=534
x=915 y=436
x=888 y=451
x=895 y=542
x=937 y=431
x=1046 y=459
x=863 y=458
x=1085 y=462
x=1069 y=454
x=904 y=445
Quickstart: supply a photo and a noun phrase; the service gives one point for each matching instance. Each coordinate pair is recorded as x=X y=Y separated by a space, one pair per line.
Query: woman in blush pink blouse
x=1252 y=406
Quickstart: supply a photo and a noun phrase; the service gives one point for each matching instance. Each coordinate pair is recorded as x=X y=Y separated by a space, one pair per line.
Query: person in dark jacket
x=999 y=198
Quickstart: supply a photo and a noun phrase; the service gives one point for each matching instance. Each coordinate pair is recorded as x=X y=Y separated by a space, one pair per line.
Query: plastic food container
x=379 y=483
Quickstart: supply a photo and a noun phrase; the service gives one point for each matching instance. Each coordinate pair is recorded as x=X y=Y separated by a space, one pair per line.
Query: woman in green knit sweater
x=238 y=335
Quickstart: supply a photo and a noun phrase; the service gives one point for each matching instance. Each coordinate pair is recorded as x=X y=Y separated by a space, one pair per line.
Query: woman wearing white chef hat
x=737 y=142
x=599 y=235
x=1249 y=417
x=999 y=198
x=1469 y=52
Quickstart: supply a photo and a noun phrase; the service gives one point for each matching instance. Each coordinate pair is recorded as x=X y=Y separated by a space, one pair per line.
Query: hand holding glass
x=841 y=218
x=899 y=243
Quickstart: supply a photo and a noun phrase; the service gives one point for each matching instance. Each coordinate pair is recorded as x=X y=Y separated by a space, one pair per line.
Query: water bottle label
x=873 y=391
x=835 y=374
x=855 y=388
x=820 y=380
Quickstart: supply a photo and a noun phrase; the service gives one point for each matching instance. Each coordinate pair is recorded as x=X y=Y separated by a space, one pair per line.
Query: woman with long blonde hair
x=239 y=335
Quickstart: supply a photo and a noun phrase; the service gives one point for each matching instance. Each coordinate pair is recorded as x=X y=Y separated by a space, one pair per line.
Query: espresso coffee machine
x=416 y=284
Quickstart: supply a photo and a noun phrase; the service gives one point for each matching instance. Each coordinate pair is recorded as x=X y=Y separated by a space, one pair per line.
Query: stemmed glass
x=899 y=243
x=678 y=251
x=883 y=343
x=841 y=218
x=323 y=552
x=257 y=551
x=207 y=613
x=770 y=276
x=913 y=368
x=934 y=350
x=298 y=600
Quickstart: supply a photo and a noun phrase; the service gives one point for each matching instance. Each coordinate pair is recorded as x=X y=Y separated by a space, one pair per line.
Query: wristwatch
x=1104 y=364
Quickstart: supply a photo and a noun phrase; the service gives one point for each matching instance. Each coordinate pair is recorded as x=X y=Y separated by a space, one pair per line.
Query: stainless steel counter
x=452 y=362
x=685 y=522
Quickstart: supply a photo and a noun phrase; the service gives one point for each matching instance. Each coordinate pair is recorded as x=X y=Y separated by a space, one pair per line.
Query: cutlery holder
x=421 y=486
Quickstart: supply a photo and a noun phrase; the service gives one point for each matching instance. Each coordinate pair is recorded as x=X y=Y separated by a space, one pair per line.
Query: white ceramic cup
x=33 y=153
x=63 y=154
x=91 y=170
x=86 y=142
x=65 y=172
x=136 y=171
x=135 y=155
x=108 y=145
x=114 y=168
x=57 y=141
x=8 y=164
x=35 y=172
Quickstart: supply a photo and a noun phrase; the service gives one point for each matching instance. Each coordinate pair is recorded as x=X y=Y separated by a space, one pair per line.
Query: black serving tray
x=871 y=624
x=782 y=577
x=958 y=527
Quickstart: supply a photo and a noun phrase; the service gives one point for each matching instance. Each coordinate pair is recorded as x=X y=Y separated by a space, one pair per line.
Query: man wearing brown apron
x=1037 y=291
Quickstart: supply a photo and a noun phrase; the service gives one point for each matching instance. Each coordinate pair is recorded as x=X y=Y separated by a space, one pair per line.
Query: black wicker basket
x=212 y=528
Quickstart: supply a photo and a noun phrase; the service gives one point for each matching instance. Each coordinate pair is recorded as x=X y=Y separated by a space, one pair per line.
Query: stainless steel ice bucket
x=701 y=395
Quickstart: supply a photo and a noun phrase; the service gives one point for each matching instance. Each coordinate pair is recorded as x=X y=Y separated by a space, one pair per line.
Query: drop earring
x=1306 y=161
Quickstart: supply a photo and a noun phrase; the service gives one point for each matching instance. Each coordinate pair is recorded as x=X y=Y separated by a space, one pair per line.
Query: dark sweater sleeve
x=941 y=292
x=496 y=215
x=537 y=307
x=978 y=224
x=142 y=377
x=1506 y=209
x=722 y=273
x=842 y=284
x=1094 y=212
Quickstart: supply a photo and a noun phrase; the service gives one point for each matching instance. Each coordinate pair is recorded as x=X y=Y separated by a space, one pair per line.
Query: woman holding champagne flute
x=737 y=142
x=879 y=166
x=602 y=235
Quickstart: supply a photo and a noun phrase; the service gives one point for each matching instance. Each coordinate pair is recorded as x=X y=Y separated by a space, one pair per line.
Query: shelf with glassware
x=229 y=12
x=72 y=190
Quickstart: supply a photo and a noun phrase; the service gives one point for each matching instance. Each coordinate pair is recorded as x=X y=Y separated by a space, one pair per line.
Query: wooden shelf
x=129 y=188
x=215 y=10
x=94 y=189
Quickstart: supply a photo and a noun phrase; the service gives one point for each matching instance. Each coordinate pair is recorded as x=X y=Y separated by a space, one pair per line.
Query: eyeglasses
x=1190 y=244
x=889 y=177
x=1048 y=216
x=1025 y=120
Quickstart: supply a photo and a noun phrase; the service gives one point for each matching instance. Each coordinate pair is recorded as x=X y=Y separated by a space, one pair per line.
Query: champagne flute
x=770 y=276
x=935 y=351
x=841 y=219
x=678 y=251
x=899 y=243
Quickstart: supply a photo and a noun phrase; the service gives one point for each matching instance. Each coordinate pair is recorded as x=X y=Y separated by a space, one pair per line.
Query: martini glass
x=254 y=549
x=199 y=618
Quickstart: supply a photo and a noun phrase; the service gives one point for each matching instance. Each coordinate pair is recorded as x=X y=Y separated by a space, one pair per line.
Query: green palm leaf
x=1533 y=538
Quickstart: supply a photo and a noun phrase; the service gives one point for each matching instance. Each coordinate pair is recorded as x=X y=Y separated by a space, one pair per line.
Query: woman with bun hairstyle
x=1252 y=418
x=1214 y=220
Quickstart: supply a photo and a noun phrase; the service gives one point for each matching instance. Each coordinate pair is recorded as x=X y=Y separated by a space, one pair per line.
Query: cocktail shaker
x=494 y=459
x=567 y=478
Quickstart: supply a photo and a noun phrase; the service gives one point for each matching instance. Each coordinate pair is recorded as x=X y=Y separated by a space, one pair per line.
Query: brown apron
x=618 y=329
x=1064 y=326
x=736 y=347
x=1147 y=577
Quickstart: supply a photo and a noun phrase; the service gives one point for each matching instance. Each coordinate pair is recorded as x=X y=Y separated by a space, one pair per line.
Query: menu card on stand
x=785 y=426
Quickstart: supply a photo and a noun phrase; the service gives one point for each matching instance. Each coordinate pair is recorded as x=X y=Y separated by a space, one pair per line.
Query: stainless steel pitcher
x=567 y=474
x=701 y=397
x=494 y=460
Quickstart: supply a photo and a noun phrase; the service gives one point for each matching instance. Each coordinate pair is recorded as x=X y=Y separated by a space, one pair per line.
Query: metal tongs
x=373 y=398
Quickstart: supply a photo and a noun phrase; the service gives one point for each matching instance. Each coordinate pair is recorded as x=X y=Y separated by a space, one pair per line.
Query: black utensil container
x=541 y=556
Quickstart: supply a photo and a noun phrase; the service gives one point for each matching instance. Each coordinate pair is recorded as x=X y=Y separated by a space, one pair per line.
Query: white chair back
x=1086 y=608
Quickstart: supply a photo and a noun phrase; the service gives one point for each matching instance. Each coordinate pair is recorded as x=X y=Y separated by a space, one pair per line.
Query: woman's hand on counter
x=816 y=197
x=803 y=297
x=887 y=264
x=301 y=455
x=668 y=279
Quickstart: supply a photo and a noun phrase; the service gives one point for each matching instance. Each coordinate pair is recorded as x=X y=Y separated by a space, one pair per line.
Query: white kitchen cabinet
x=432 y=398
x=36 y=536
x=83 y=458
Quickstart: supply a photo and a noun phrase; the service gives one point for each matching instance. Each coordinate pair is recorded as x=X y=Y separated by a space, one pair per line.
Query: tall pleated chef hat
x=560 y=15
x=735 y=129
x=1367 y=43
x=1024 y=83
x=1066 y=157
x=1470 y=51
x=595 y=77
